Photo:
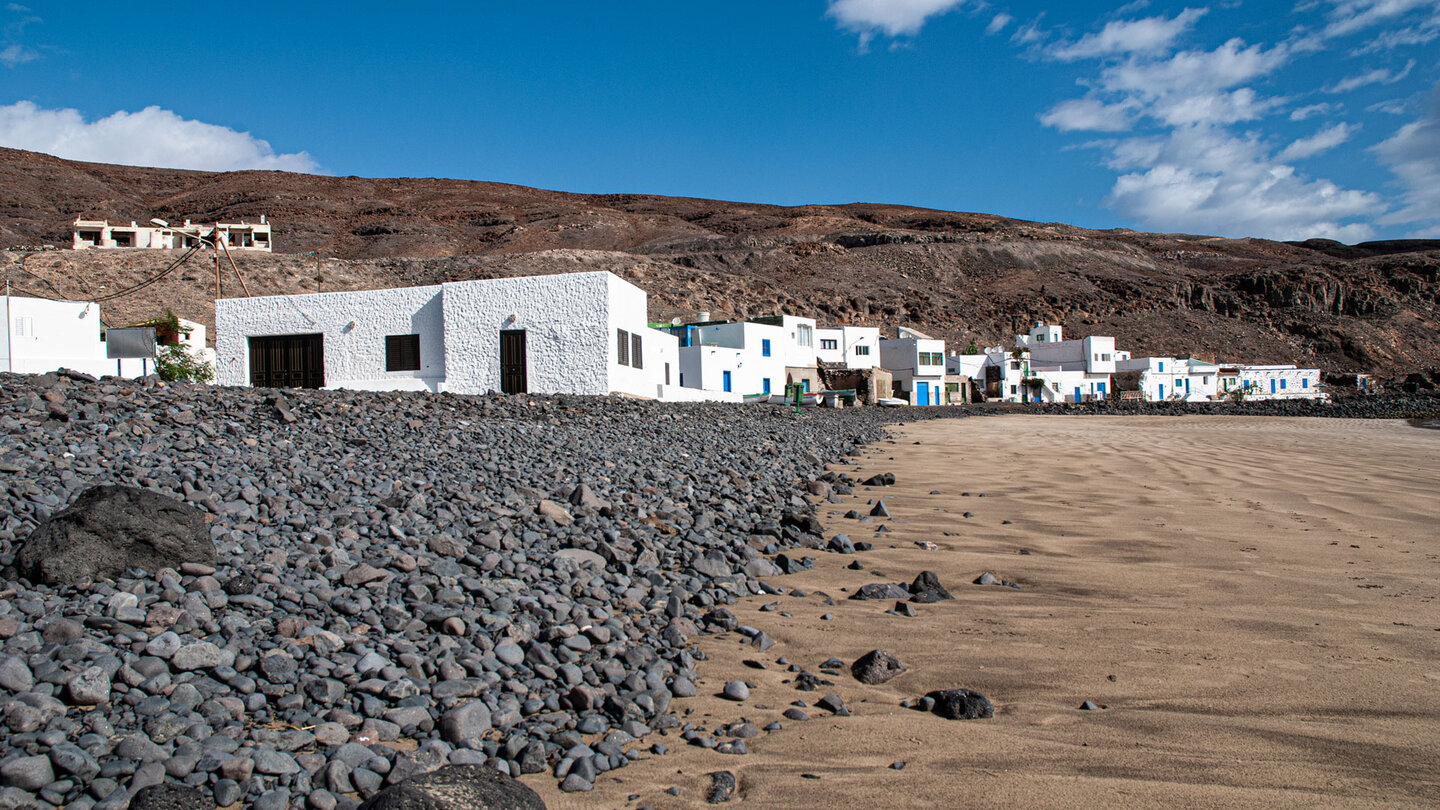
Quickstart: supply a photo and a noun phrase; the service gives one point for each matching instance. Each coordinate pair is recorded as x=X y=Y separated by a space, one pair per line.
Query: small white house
x=99 y=233
x=917 y=363
x=579 y=333
x=854 y=347
x=43 y=336
x=1272 y=382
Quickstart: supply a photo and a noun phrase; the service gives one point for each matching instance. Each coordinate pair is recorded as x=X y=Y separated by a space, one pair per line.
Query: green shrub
x=177 y=363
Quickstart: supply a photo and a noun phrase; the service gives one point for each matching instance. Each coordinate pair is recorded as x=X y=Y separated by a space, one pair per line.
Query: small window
x=862 y=350
x=1305 y=383
x=24 y=326
x=1014 y=366
x=1162 y=366
x=803 y=336
x=1282 y=385
x=667 y=373
x=622 y=347
x=805 y=386
x=765 y=385
x=1012 y=389
x=765 y=347
x=402 y=352
x=829 y=343
x=262 y=237
x=637 y=353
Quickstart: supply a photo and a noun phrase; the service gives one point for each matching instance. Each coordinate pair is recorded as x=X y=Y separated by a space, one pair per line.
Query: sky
x=1283 y=120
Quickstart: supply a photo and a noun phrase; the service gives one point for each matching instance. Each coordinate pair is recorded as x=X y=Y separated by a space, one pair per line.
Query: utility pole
x=215 y=237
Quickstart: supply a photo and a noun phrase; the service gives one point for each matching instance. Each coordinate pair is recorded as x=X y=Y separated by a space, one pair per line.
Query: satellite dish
x=162 y=223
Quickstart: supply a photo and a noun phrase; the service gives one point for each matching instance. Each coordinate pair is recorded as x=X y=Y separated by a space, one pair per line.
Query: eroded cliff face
x=960 y=276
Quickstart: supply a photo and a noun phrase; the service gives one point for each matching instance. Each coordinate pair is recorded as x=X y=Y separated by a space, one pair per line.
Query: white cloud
x=894 y=18
x=1413 y=155
x=16 y=54
x=1087 y=114
x=1322 y=141
x=1393 y=107
x=150 y=137
x=1029 y=33
x=1349 y=16
x=1204 y=180
x=1195 y=71
x=998 y=23
x=1421 y=34
x=1377 y=76
x=1310 y=111
x=1148 y=35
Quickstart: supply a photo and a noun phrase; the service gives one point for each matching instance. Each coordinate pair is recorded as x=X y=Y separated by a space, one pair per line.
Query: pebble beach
x=613 y=600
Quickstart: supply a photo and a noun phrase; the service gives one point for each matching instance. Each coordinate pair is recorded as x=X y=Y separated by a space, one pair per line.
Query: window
x=622 y=347
x=765 y=347
x=667 y=373
x=1012 y=389
x=637 y=354
x=765 y=385
x=24 y=325
x=1055 y=386
x=805 y=386
x=1305 y=383
x=1014 y=366
x=1282 y=385
x=829 y=343
x=402 y=352
x=803 y=335
x=1162 y=366
x=862 y=350
x=123 y=238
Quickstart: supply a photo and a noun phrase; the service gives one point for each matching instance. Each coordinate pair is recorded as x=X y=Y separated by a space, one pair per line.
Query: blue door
x=922 y=393
x=725 y=380
x=766 y=383
x=1272 y=386
x=1077 y=393
x=1100 y=389
x=1161 y=387
x=1187 y=386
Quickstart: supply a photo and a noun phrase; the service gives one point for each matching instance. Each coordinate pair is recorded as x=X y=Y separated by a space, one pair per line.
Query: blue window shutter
x=765 y=383
x=765 y=347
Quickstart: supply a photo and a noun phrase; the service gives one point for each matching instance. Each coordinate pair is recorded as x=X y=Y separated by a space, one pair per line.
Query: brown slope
x=961 y=276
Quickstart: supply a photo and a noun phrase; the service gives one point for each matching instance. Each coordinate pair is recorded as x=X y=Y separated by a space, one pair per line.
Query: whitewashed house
x=99 y=233
x=43 y=336
x=856 y=347
x=1261 y=382
x=1068 y=370
x=917 y=362
x=1178 y=379
x=579 y=333
x=737 y=358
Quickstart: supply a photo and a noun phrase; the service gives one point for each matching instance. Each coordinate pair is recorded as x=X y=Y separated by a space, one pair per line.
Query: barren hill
x=957 y=275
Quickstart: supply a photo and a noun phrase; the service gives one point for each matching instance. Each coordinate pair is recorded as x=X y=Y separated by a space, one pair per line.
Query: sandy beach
x=1254 y=601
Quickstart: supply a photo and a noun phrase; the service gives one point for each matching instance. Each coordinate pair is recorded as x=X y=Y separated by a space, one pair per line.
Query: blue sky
x=1241 y=118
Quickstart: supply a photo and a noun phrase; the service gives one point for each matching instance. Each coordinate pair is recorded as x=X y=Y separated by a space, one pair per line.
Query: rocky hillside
x=1370 y=307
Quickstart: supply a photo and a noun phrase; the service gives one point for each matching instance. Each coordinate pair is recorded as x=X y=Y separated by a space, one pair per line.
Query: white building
x=735 y=358
x=854 y=347
x=1178 y=379
x=43 y=335
x=99 y=233
x=917 y=362
x=580 y=333
x=1271 y=382
x=1067 y=370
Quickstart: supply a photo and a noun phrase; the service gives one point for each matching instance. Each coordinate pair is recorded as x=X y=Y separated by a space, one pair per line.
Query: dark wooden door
x=514 y=377
x=287 y=361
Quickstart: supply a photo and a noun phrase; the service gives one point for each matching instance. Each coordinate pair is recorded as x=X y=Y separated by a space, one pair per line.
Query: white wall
x=354 y=356
x=705 y=368
x=43 y=335
x=627 y=309
x=847 y=340
x=1299 y=383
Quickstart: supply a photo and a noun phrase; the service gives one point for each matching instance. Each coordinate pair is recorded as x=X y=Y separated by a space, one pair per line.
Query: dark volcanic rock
x=880 y=590
x=457 y=787
x=170 y=797
x=722 y=787
x=960 y=704
x=876 y=667
x=110 y=529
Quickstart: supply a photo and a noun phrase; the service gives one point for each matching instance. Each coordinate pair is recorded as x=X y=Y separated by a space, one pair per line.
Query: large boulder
x=457 y=787
x=109 y=529
x=170 y=796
